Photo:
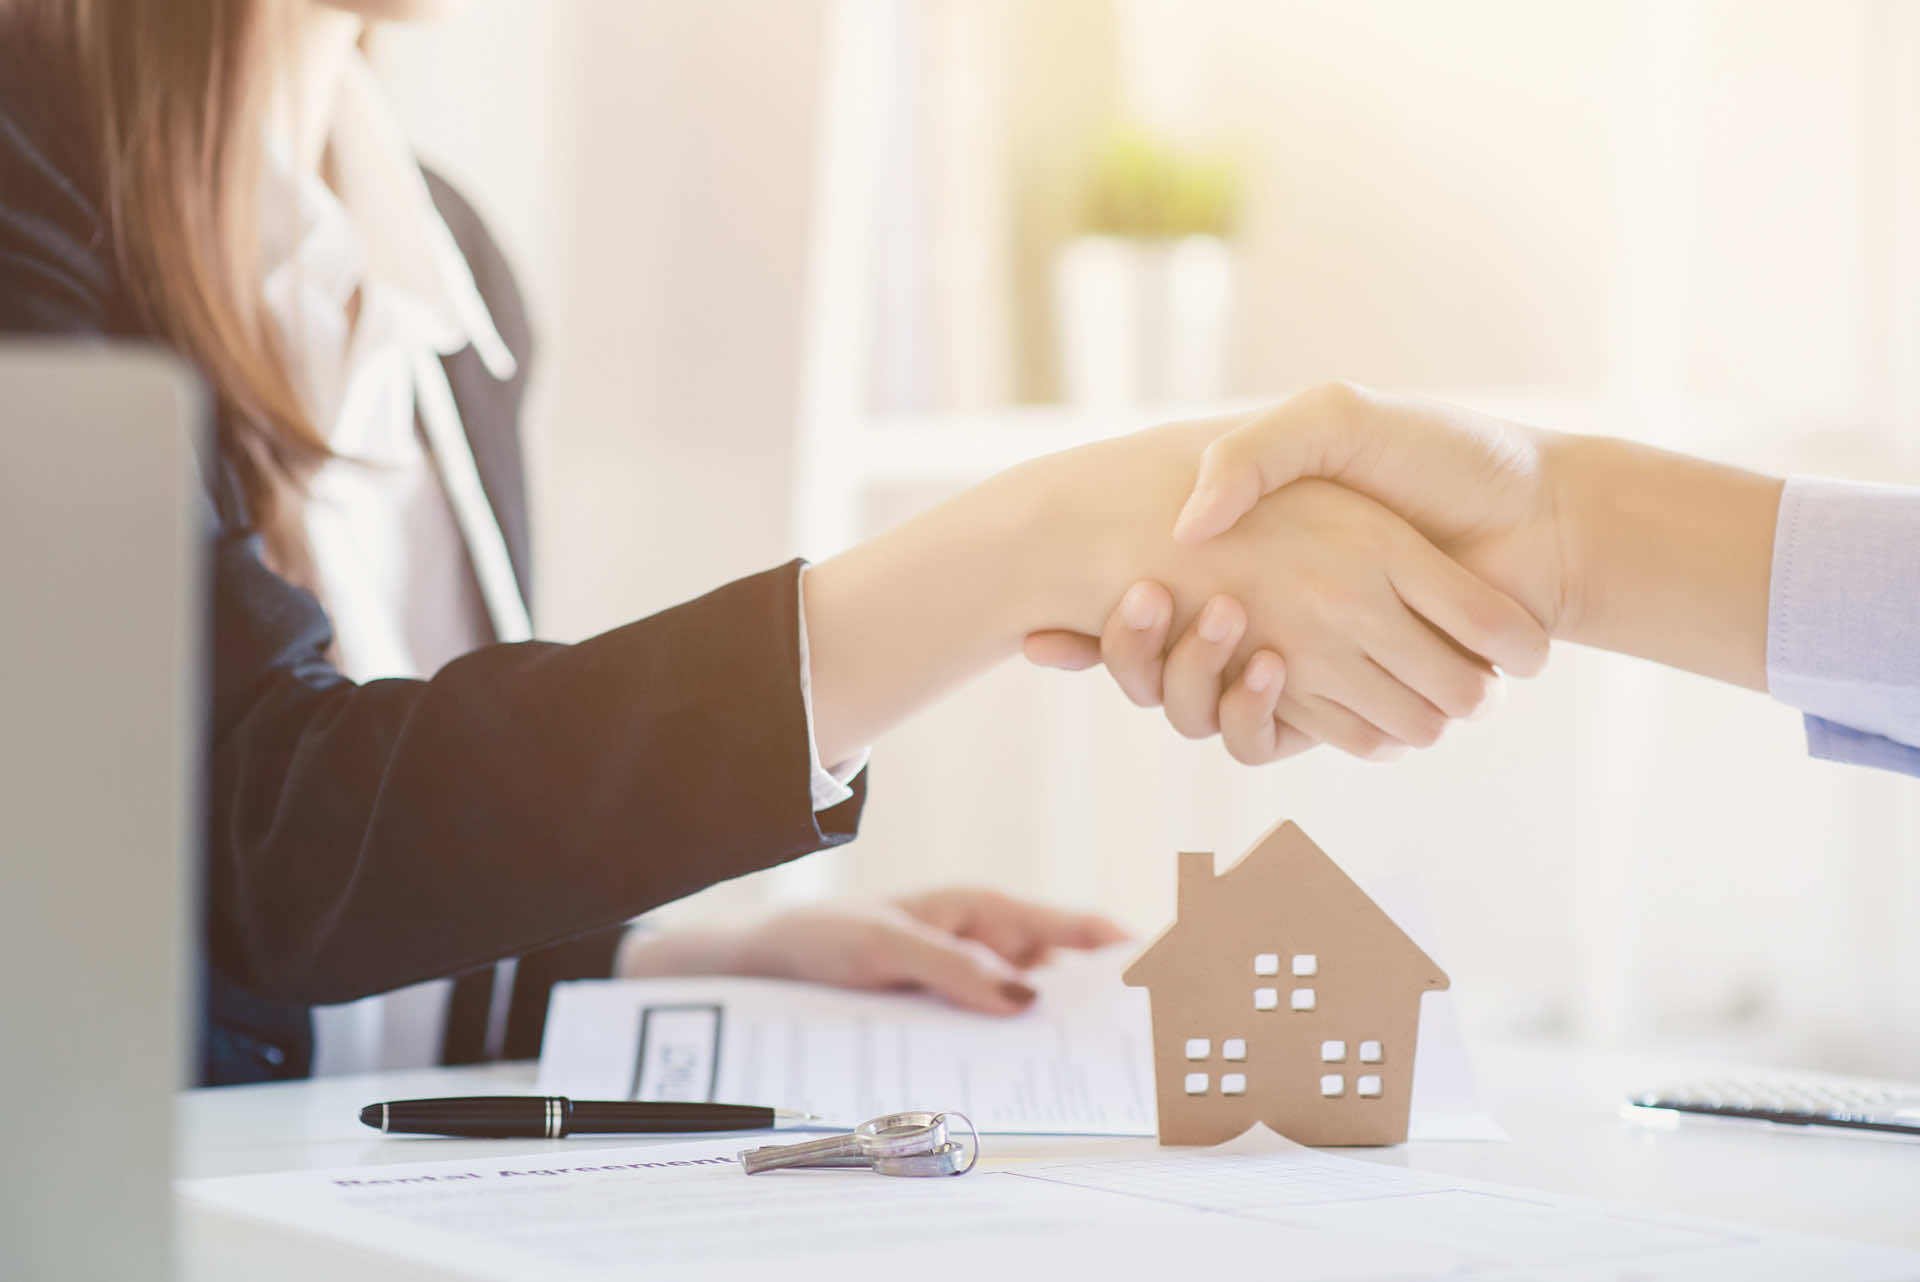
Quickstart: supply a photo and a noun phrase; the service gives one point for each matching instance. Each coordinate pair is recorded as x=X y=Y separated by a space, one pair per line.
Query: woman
x=404 y=786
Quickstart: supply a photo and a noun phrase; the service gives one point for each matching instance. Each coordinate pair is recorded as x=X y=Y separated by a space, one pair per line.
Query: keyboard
x=1791 y=1101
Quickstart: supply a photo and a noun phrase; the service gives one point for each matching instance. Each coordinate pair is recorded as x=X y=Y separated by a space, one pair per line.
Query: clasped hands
x=1350 y=568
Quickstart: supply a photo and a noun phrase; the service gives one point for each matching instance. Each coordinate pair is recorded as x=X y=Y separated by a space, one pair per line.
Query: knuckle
x=1365 y=741
x=1189 y=723
x=872 y=950
x=1143 y=689
x=1477 y=693
x=1336 y=396
x=1246 y=750
x=1426 y=729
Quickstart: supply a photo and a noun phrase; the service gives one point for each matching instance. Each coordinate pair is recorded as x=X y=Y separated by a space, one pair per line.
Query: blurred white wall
x=1695 y=221
x=647 y=163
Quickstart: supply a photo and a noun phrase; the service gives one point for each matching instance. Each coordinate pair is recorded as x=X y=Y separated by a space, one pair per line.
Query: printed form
x=1262 y=1208
x=1077 y=1064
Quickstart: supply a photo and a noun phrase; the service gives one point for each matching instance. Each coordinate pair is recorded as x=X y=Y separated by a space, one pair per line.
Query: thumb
x=1308 y=435
x=964 y=971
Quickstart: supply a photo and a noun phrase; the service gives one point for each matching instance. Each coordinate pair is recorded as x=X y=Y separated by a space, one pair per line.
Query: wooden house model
x=1282 y=994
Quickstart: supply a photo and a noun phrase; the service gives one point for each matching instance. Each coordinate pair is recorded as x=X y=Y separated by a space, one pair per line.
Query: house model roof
x=1287 y=883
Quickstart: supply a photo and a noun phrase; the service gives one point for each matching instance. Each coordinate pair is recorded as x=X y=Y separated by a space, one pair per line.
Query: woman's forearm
x=1670 y=557
x=904 y=618
x=898 y=621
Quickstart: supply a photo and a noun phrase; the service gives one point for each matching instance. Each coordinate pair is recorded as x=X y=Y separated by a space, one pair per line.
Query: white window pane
x=1196 y=1083
x=1266 y=998
x=1233 y=1083
x=1333 y=1052
x=1198 y=1048
x=1370 y=1052
x=1333 y=1084
x=1305 y=964
x=1367 y=1084
x=1234 y=1048
x=1302 y=999
x=1266 y=963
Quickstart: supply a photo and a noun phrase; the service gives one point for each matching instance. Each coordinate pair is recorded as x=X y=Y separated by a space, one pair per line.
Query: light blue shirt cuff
x=830 y=785
x=1843 y=619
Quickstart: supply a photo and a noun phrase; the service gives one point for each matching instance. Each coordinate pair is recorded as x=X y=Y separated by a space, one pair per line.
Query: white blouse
x=368 y=291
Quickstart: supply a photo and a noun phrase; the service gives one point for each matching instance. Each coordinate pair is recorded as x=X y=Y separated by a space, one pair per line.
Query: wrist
x=684 y=950
x=1573 y=471
x=1668 y=557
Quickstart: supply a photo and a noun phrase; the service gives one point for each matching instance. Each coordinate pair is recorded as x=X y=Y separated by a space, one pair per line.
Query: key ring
x=973 y=1150
x=903 y=1134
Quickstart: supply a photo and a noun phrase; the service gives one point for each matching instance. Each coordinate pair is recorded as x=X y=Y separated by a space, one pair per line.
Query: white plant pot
x=1140 y=321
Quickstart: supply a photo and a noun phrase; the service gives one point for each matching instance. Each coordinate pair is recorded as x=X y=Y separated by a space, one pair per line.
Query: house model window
x=1314 y=1050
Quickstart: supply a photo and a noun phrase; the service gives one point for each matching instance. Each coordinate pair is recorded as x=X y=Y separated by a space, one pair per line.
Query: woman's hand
x=968 y=945
x=1189 y=680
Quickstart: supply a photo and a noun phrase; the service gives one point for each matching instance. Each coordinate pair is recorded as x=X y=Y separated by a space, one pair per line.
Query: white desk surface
x=1560 y=1106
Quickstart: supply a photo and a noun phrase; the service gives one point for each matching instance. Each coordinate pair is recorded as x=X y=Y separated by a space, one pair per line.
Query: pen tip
x=370 y=1115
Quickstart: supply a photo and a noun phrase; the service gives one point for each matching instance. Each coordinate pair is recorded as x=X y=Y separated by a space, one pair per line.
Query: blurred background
x=801 y=268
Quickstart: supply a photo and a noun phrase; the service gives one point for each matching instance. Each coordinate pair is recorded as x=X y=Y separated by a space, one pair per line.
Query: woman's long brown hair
x=175 y=92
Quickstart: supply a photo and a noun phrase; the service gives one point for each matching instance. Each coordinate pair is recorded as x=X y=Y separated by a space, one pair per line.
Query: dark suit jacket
x=359 y=838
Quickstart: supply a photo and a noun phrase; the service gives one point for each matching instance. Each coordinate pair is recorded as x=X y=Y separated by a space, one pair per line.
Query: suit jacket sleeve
x=363 y=837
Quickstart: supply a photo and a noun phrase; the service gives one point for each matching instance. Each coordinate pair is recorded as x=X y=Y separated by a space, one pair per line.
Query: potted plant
x=1143 y=292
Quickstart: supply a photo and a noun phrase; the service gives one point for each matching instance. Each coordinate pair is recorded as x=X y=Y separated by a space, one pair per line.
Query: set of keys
x=893 y=1144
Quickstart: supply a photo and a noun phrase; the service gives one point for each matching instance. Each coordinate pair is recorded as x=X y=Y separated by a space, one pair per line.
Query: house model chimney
x=1196 y=879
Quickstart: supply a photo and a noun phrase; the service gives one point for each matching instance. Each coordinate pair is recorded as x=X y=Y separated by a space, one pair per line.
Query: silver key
x=889 y=1136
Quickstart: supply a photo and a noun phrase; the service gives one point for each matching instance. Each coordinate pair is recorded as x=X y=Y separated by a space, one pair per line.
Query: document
x=1275 y=1212
x=1079 y=1063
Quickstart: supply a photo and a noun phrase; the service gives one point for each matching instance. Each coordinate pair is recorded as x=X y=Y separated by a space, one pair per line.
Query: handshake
x=1348 y=568
x=1358 y=569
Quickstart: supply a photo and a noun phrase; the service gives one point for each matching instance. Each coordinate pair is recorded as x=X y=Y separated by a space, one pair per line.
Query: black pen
x=503 y=1117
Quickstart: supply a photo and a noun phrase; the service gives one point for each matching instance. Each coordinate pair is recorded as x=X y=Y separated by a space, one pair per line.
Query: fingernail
x=1018 y=993
x=1214 y=623
x=1139 y=608
x=1496 y=695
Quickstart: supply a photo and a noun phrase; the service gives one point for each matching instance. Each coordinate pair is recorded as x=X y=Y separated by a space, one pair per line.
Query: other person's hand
x=1481 y=489
x=968 y=945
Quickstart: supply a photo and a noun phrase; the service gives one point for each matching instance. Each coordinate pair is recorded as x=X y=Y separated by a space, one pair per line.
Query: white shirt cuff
x=1843 y=617
x=829 y=785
